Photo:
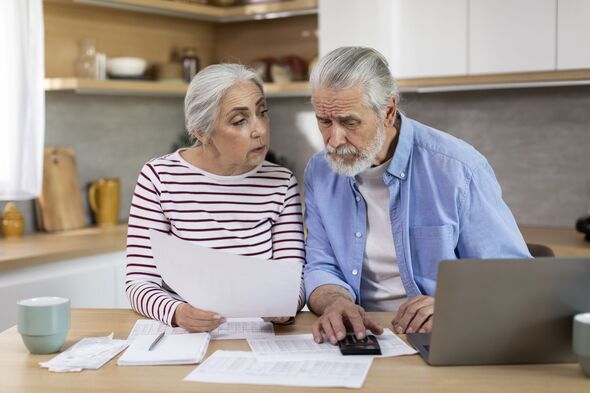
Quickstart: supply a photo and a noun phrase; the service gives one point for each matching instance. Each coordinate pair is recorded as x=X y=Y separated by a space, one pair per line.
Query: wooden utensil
x=60 y=203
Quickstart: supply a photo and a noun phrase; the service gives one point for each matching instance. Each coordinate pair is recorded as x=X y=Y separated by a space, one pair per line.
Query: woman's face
x=240 y=134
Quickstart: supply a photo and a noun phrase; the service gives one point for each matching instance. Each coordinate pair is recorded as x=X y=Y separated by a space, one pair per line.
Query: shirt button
x=402 y=175
x=358 y=198
x=358 y=234
x=355 y=272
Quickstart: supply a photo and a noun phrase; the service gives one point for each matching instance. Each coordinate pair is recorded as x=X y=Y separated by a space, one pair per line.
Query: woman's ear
x=200 y=136
x=391 y=113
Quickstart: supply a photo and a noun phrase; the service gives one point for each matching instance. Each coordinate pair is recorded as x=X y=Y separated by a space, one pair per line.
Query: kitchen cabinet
x=420 y=38
x=573 y=34
x=154 y=29
x=467 y=44
x=355 y=23
x=429 y=38
x=512 y=36
x=95 y=281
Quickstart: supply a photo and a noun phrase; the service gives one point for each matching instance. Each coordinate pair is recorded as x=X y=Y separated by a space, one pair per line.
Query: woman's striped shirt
x=256 y=214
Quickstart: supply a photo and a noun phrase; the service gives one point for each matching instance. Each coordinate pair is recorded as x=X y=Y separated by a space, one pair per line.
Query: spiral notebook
x=171 y=349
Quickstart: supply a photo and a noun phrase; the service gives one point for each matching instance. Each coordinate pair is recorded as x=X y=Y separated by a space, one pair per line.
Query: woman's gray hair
x=352 y=66
x=205 y=92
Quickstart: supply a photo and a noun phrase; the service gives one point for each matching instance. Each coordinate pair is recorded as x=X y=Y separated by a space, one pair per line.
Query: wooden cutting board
x=59 y=206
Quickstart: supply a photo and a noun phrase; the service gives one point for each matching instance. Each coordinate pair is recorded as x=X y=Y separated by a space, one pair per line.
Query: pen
x=156 y=341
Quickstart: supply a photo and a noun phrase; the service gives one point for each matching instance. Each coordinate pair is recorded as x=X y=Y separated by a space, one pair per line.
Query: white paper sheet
x=243 y=328
x=145 y=327
x=302 y=346
x=232 y=329
x=243 y=367
x=230 y=285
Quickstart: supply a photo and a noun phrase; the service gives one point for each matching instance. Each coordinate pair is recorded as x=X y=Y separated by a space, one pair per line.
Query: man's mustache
x=342 y=150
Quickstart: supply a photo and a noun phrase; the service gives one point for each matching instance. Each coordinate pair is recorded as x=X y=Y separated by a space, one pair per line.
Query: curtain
x=22 y=99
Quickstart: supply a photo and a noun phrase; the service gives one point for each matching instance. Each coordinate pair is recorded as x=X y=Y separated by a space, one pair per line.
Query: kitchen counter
x=43 y=248
x=40 y=248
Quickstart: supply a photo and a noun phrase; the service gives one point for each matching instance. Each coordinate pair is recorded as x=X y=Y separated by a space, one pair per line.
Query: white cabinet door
x=429 y=38
x=419 y=38
x=355 y=23
x=96 y=281
x=512 y=36
x=573 y=34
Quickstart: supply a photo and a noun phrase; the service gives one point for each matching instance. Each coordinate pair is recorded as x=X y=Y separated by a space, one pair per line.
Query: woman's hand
x=196 y=320
x=279 y=320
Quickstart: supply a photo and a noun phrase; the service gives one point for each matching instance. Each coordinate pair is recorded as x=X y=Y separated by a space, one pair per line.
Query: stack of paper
x=302 y=346
x=88 y=353
x=172 y=349
x=243 y=367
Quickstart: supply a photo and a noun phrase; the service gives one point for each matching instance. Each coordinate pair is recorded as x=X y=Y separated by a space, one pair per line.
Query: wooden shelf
x=495 y=81
x=213 y=13
x=149 y=88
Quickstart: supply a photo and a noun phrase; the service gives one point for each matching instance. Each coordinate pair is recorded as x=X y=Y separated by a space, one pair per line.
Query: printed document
x=243 y=328
x=303 y=346
x=232 y=329
x=228 y=284
x=243 y=367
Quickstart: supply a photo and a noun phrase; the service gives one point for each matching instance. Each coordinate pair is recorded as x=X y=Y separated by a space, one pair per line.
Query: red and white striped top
x=257 y=214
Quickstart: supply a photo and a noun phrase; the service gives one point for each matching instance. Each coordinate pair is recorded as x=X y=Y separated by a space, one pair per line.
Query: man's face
x=352 y=132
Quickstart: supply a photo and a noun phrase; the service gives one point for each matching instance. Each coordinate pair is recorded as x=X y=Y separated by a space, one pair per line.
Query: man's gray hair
x=205 y=92
x=352 y=66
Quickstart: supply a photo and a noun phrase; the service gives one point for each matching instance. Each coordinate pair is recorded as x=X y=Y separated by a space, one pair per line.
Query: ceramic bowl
x=126 y=66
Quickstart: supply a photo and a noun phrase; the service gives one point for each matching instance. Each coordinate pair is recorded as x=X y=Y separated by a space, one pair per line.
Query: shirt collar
x=398 y=166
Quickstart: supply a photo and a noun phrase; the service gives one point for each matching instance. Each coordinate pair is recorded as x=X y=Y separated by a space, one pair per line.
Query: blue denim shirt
x=445 y=203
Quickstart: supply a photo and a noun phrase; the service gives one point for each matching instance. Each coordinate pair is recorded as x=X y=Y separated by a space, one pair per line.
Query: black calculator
x=353 y=346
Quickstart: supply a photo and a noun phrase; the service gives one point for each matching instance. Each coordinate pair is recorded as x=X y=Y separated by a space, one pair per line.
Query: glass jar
x=86 y=63
x=190 y=63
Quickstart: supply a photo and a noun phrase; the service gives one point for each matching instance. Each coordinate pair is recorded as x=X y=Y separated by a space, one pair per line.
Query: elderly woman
x=219 y=193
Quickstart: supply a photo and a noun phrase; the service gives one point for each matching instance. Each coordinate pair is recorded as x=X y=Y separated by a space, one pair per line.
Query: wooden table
x=20 y=371
x=565 y=242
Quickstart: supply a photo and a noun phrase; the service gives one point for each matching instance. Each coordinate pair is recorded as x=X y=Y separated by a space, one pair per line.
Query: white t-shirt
x=381 y=285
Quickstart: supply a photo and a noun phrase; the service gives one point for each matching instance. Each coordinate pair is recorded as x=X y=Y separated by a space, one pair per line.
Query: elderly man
x=387 y=200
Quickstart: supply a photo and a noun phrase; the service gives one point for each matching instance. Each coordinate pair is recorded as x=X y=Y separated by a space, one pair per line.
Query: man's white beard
x=364 y=159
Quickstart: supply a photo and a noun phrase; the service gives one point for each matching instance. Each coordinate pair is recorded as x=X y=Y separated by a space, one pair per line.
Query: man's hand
x=337 y=313
x=415 y=315
x=196 y=320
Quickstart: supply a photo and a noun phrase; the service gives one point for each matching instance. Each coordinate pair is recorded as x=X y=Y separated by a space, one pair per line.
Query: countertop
x=40 y=248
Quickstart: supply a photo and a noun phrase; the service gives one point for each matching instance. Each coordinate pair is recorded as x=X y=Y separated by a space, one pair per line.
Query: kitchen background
x=535 y=138
x=519 y=92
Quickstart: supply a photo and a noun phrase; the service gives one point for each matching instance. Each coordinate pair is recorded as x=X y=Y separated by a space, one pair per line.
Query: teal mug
x=581 y=340
x=43 y=323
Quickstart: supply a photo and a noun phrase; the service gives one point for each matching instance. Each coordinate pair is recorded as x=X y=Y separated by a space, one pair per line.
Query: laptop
x=505 y=311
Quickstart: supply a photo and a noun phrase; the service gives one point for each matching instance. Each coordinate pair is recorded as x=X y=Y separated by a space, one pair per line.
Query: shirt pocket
x=430 y=245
